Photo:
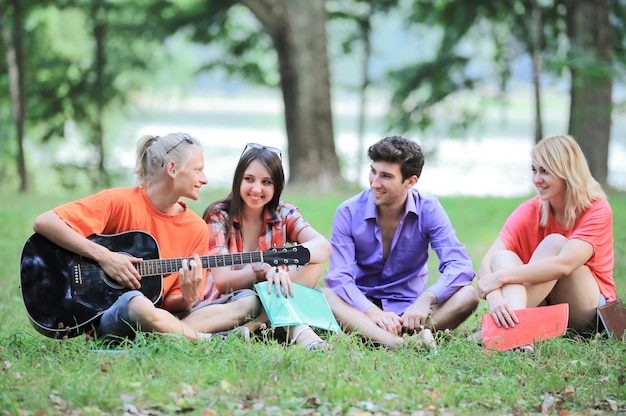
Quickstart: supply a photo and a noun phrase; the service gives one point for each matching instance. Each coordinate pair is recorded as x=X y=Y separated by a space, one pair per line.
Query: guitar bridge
x=77 y=279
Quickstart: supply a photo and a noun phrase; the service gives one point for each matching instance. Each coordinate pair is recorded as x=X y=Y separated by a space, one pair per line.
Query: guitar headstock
x=287 y=256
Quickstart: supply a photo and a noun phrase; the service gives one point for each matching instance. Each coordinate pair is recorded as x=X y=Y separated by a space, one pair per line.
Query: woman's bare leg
x=580 y=290
x=528 y=295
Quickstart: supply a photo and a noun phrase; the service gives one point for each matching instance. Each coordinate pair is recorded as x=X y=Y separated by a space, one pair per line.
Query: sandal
x=318 y=346
x=315 y=345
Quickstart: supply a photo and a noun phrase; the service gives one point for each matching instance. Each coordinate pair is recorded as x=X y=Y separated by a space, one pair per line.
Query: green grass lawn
x=162 y=375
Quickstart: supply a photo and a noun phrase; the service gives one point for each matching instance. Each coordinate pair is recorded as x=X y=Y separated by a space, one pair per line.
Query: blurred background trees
x=72 y=71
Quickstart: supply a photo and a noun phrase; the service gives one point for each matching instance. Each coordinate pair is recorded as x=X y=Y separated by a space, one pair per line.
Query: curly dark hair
x=398 y=149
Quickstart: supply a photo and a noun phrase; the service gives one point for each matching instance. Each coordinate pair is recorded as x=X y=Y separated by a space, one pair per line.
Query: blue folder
x=306 y=307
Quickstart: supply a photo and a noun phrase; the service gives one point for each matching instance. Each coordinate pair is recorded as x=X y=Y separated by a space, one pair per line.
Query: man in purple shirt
x=376 y=283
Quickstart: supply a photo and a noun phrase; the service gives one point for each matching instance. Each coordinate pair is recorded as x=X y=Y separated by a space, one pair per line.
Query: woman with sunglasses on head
x=253 y=217
x=556 y=247
x=168 y=168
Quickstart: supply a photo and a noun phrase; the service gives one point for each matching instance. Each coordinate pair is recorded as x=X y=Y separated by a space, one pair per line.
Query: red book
x=535 y=324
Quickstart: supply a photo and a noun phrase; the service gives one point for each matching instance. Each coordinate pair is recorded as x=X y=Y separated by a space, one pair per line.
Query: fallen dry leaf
x=58 y=401
x=548 y=402
x=225 y=385
x=612 y=405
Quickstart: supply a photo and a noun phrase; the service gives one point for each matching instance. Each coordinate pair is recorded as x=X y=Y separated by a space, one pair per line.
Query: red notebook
x=535 y=324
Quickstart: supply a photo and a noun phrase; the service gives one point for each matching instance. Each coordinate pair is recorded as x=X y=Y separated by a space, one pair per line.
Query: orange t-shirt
x=119 y=210
x=522 y=234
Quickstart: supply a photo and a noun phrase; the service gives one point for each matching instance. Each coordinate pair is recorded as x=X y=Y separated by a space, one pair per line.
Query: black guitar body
x=65 y=294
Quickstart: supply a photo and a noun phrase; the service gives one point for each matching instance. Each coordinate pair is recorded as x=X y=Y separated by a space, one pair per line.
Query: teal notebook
x=306 y=307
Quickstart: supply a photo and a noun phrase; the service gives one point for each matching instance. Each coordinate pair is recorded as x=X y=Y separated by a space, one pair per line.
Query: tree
x=298 y=31
x=11 y=23
x=68 y=77
x=297 y=34
x=595 y=37
x=590 y=63
x=361 y=13
x=125 y=37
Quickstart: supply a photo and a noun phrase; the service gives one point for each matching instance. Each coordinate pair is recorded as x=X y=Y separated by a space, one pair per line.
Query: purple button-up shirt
x=360 y=276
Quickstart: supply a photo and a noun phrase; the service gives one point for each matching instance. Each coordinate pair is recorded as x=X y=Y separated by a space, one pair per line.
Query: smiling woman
x=556 y=247
x=253 y=217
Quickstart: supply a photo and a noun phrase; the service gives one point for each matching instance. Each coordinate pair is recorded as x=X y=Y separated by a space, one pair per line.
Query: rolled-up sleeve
x=455 y=267
x=342 y=264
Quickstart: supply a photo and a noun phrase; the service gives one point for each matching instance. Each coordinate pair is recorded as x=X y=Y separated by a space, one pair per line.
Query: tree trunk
x=590 y=58
x=99 y=15
x=365 y=27
x=12 y=39
x=298 y=31
x=537 y=68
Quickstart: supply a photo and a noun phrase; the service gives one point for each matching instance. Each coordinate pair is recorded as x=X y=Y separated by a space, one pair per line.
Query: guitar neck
x=167 y=266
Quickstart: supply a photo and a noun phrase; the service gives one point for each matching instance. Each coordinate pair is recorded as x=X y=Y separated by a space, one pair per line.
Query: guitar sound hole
x=110 y=282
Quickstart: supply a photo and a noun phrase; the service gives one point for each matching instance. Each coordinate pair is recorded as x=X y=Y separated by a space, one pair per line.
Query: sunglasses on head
x=185 y=138
x=262 y=147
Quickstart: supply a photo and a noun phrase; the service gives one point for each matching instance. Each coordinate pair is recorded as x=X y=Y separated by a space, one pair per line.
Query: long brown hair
x=233 y=203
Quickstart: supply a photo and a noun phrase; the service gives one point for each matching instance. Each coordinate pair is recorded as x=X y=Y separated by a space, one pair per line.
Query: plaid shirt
x=281 y=227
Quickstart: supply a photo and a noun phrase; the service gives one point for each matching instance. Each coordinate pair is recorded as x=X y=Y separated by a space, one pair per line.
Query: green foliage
x=238 y=44
x=490 y=35
x=164 y=375
x=84 y=59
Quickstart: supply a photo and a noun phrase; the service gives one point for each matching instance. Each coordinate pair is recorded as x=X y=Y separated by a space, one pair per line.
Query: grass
x=161 y=375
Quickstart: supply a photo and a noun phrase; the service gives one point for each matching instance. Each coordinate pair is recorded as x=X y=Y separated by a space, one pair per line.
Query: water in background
x=495 y=165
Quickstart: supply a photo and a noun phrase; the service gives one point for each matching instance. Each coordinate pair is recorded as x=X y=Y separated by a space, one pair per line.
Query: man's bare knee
x=140 y=308
x=456 y=309
x=248 y=307
x=467 y=299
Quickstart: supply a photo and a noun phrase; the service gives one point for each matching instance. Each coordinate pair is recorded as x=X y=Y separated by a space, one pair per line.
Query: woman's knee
x=504 y=258
x=552 y=244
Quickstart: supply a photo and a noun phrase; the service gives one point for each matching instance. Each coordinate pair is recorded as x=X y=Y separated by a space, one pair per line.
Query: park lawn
x=162 y=375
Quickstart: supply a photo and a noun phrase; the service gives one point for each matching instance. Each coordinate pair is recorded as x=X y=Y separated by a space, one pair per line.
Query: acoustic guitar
x=65 y=294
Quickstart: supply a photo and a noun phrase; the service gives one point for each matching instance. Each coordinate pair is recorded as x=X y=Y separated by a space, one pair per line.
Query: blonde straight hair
x=561 y=156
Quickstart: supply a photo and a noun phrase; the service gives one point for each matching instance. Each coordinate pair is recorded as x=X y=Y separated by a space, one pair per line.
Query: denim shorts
x=115 y=321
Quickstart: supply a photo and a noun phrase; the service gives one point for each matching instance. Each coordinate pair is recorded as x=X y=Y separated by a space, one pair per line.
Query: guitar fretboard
x=167 y=266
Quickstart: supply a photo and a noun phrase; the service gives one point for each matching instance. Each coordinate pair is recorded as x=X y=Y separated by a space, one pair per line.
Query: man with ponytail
x=168 y=168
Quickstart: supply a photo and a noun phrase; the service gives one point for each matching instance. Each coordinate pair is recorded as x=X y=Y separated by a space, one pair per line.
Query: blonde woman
x=556 y=247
